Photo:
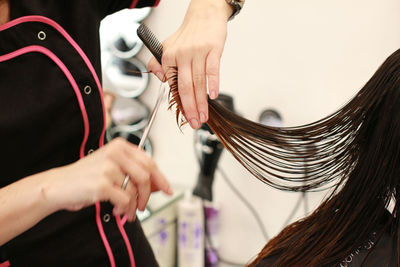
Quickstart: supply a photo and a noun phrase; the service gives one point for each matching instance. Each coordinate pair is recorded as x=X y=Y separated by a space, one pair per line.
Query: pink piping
x=103 y=236
x=64 y=69
x=40 y=49
x=156 y=3
x=101 y=141
x=126 y=240
x=124 y=219
x=134 y=3
x=74 y=44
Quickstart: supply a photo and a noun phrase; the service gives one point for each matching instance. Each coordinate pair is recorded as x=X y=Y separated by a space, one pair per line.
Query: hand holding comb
x=276 y=156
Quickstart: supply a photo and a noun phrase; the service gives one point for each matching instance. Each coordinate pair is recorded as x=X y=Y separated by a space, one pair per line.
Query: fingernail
x=213 y=95
x=194 y=123
x=160 y=76
x=203 y=117
x=169 y=191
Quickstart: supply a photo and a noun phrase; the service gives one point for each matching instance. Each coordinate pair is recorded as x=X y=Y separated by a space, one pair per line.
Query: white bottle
x=190 y=232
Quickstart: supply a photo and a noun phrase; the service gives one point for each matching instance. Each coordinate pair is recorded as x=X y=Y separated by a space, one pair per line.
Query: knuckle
x=166 y=43
x=147 y=165
x=214 y=44
x=204 y=47
x=198 y=78
x=212 y=68
x=184 y=88
x=194 y=48
x=125 y=202
x=151 y=165
x=109 y=154
x=102 y=188
x=113 y=147
x=109 y=169
x=167 y=58
x=202 y=102
x=119 y=142
x=143 y=179
x=190 y=112
x=182 y=51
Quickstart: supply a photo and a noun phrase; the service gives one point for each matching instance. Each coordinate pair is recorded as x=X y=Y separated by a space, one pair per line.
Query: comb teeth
x=150 y=41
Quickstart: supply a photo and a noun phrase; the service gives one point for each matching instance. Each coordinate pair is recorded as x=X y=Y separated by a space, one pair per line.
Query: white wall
x=304 y=58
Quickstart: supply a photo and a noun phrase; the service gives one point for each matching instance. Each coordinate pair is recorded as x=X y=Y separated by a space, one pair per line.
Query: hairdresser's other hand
x=195 y=49
x=100 y=175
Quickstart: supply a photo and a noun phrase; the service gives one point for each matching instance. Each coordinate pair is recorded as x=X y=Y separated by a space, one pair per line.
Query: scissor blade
x=152 y=116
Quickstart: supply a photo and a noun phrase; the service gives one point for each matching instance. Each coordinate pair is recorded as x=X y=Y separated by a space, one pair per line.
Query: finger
x=131 y=190
x=168 y=65
x=186 y=93
x=118 y=198
x=212 y=72
x=157 y=184
x=128 y=165
x=141 y=179
x=113 y=173
x=200 y=87
x=157 y=178
x=130 y=157
x=156 y=68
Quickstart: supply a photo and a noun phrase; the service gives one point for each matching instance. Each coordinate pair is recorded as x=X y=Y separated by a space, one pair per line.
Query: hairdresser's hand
x=195 y=49
x=100 y=175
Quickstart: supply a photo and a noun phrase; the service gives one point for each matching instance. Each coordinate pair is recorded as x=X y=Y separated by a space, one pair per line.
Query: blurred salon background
x=285 y=63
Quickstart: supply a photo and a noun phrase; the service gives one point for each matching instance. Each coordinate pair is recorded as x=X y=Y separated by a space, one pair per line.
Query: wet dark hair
x=355 y=151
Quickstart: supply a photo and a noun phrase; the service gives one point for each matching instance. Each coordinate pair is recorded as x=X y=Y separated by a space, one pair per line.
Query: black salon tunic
x=51 y=114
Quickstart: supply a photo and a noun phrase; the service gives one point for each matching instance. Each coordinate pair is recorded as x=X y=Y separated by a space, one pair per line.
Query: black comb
x=150 y=41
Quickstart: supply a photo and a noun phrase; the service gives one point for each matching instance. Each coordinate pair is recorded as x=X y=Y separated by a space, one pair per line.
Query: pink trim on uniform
x=77 y=48
x=124 y=219
x=126 y=240
x=64 y=69
x=103 y=236
x=156 y=3
x=60 y=64
x=134 y=4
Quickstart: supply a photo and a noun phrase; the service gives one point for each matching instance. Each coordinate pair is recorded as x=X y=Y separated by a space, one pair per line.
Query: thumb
x=157 y=69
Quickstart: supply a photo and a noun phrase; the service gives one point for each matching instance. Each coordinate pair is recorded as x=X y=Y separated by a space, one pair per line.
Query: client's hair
x=356 y=151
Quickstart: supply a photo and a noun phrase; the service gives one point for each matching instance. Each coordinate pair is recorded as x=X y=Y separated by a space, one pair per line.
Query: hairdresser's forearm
x=23 y=204
x=95 y=178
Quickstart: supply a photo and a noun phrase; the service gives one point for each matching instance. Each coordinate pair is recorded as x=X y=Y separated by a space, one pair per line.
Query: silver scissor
x=161 y=95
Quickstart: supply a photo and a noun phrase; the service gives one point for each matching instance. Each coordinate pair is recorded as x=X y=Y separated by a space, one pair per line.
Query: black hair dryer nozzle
x=210 y=149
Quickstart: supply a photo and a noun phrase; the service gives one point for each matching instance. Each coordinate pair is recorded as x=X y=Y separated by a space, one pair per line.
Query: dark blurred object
x=209 y=149
x=118 y=35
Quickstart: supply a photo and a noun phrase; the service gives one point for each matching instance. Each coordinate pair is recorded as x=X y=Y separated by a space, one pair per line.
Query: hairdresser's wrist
x=50 y=192
x=211 y=7
x=229 y=9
